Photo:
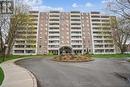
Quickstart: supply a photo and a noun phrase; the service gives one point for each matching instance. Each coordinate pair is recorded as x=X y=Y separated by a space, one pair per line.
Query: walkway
x=16 y=76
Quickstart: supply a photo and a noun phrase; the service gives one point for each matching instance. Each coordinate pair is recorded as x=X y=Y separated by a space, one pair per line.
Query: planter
x=73 y=58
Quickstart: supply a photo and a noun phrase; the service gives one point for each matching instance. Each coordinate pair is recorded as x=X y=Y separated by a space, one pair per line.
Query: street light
x=6 y=45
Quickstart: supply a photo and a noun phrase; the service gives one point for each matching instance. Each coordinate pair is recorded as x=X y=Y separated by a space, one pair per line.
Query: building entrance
x=65 y=50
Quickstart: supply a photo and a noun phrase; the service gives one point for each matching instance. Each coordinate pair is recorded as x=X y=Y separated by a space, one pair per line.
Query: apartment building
x=80 y=32
x=70 y=32
x=25 y=42
x=64 y=30
x=101 y=30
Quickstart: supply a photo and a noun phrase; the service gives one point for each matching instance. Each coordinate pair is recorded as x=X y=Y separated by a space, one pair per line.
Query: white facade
x=54 y=32
x=76 y=32
x=101 y=30
x=82 y=32
x=25 y=42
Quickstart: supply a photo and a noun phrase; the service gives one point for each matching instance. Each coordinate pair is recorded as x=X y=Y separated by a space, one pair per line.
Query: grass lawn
x=111 y=55
x=94 y=56
x=1 y=76
x=10 y=57
x=20 y=56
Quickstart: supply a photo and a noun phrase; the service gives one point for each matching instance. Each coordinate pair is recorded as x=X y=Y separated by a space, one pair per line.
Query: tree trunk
x=122 y=52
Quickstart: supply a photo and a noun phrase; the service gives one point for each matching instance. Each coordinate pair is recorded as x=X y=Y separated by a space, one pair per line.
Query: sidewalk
x=16 y=76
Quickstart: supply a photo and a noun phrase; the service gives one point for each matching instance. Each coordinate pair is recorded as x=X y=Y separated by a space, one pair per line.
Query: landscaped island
x=73 y=58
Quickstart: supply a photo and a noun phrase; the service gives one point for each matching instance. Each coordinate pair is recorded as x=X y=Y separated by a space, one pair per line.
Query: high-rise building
x=71 y=32
x=101 y=30
x=68 y=30
x=25 y=42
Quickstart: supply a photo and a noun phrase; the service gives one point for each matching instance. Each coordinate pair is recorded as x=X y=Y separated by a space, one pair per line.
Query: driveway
x=98 y=73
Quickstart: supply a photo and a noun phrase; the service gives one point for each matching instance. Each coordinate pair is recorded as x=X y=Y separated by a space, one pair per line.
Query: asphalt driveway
x=98 y=73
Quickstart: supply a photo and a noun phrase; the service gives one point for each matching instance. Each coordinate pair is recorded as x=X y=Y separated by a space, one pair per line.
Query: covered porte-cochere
x=65 y=50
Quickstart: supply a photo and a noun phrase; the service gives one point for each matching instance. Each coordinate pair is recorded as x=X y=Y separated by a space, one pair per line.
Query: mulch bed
x=73 y=58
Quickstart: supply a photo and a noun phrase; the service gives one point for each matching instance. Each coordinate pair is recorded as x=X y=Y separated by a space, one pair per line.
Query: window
x=95 y=16
x=30 y=51
x=40 y=46
x=53 y=36
x=76 y=46
x=99 y=50
x=19 y=51
x=104 y=16
x=19 y=46
x=96 y=24
x=30 y=46
x=76 y=32
x=76 y=41
x=99 y=46
x=54 y=23
x=53 y=41
x=75 y=19
x=109 y=50
x=75 y=36
x=20 y=41
x=75 y=23
x=53 y=46
x=95 y=20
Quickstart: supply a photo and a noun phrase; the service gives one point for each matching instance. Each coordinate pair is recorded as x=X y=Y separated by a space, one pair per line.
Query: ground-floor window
x=30 y=51
x=54 y=52
x=77 y=51
x=19 y=51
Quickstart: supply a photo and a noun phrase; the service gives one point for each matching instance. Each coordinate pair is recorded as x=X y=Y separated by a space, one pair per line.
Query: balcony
x=54 y=34
x=76 y=26
x=75 y=21
x=53 y=48
x=54 y=18
x=75 y=18
x=53 y=38
x=54 y=25
x=76 y=43
x=74 y=34
x=53 y=43
x=76 y=38
x=50 y=22
x=53 y=30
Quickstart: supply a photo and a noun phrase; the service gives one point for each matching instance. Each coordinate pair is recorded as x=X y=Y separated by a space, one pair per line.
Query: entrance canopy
x=65 y=50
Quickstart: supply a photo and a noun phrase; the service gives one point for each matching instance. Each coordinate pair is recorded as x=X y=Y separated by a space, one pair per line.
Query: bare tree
x=121 y=33
x=13 y=23
x=4 y=27
x=121 y=24
x=119 y=7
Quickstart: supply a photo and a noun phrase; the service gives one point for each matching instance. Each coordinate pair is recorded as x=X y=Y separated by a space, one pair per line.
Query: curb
x=12 y=62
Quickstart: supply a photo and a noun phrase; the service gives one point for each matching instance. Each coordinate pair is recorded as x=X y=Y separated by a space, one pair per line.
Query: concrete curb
x=17 y=76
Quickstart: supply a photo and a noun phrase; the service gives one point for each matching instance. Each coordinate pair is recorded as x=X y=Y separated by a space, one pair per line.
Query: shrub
x=50 y=54
x=73 y=58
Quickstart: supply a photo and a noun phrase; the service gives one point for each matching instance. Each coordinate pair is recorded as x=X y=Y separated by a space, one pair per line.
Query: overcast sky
x=67 y=5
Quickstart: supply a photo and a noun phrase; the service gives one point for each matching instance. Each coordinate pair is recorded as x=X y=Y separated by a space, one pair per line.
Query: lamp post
x=6 y=45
